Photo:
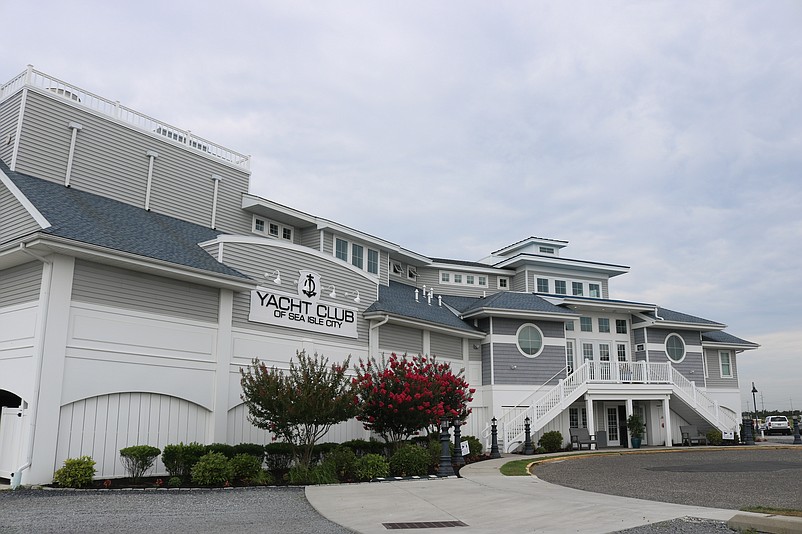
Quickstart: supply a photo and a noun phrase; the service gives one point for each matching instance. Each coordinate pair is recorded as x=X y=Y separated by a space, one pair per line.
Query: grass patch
x=774 y=511
x=515 y=468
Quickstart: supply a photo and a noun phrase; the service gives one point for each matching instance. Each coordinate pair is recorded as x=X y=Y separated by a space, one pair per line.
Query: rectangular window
x=569 y=326
x=604 y=324
x=586 y=324
x=469 y=279
x=357 y=255
x=547 y=250
x=259 y=225
x=604 y=352
x=457 y=278
x=503 y=283
x=587 y=351
x=620 y=326
x=726 y=364
x=576 y=288
x=412 y=272
x=341 y=249
x=483 y=281
x=559 y=287
x=622 y=352
x=396 y=268
x=573 y=417
x=373 y=261
x=594 y=290
x=286 y=233
x=273 y=229
x=445 y=277
x=542 y=285
x=569 y=356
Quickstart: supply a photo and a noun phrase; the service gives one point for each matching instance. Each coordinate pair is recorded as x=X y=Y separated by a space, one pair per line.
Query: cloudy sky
x=666 y=136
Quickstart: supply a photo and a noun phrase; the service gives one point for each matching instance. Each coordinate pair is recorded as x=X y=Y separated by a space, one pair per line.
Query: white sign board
x=304 y=310
x=728 y=435
x=465 y=447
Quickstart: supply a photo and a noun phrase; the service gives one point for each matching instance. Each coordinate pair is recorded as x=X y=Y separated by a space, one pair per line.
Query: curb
x=773 y=524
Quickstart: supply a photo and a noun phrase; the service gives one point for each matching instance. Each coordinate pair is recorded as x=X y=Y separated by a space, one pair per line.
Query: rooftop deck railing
x=115 y=110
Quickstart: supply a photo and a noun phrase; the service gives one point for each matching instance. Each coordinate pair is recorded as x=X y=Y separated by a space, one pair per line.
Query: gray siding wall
x=20 y=284
x=714 y=379
x=110 y=159
x=509 y=327
x=309 y=237
x=518 y=283
x=395 y=338
x=9 y=113
x=527 y=371
x=256 y=259
x=15 y=221
x=444 y=346
x=691 y=367
x=638 y=335
x=121 y=288
x=486 y=364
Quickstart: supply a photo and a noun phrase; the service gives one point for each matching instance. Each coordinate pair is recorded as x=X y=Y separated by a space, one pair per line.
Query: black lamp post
x=446 y=470
x=457 y=458
x=494 y=440
x=528 y=447
x=754 y=403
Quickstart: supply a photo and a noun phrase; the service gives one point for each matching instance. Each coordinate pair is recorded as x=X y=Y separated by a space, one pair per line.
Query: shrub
x=475 y=446
x=246 y=468
x=174 y=482
x=551 y=441
x=343 y=461
x=410 y=460
x=435 y=451
x=362 y=447
x=371 y=466
x=278 y=456
x=318 y=474
x=76 y=473
x=320 y=450
x=179 y=459
x=223 y=448
x=714 y=436
x=213 y=469
x=540 y=450
x=138 y=459
x=254 y=449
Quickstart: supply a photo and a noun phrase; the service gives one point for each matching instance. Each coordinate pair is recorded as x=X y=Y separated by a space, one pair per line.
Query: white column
x=219 y=433
x=667 y=418
x=75 y=127
x=589 y=412
x=54 y=350
x=630 y=411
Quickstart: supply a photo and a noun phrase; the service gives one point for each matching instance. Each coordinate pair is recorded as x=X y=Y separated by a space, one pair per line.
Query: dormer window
x=354 y=253
x=412 y=272
x=547 y=250
x=594 y=290
x=271 y=228
x=503 y=282
x=396 y=268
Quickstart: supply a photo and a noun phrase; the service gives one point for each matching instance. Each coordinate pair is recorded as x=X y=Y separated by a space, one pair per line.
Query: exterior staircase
x=541 y=408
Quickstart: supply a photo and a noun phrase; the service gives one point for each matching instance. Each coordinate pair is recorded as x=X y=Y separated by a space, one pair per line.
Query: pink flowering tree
x=403 y=395
x=300 y=405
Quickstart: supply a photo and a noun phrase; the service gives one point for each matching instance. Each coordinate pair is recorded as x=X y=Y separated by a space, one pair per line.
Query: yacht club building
x=138 y=275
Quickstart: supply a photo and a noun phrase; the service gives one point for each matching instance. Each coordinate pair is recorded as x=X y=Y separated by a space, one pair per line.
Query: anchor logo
x=309 y=286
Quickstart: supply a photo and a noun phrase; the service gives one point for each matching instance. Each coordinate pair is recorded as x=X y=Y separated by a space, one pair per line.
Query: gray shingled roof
x=399 y=299
x=100 y=221
x=465 y=263
x=724 y=337
x=679 y=317
x=513 y=301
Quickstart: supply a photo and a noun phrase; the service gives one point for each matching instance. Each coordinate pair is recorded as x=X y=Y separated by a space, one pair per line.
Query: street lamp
x=754 y=404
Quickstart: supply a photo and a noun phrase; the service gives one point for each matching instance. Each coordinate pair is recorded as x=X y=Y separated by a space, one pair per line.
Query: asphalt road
x=720 y=478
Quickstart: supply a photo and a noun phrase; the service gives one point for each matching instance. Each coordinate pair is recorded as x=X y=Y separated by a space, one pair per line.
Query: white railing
x=511 y=425
x=127 y=115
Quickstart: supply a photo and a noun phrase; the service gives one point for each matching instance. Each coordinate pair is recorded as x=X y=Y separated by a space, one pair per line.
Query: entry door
x=613 y=437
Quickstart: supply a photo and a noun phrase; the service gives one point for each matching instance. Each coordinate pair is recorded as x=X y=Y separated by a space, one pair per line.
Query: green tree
x=300 y=405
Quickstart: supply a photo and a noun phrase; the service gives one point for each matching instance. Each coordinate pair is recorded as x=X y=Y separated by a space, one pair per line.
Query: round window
x=675 y=348
x=530 y=340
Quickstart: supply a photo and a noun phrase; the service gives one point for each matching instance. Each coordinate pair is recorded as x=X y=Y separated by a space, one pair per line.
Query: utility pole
x=762 y=405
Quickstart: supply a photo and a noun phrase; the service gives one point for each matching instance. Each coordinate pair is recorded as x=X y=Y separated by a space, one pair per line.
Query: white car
x=777 y=424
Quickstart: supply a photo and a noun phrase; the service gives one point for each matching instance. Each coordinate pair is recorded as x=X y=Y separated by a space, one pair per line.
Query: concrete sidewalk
x=487 y=501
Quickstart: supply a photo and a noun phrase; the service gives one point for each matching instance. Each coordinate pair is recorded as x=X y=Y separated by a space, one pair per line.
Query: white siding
x=100 y=426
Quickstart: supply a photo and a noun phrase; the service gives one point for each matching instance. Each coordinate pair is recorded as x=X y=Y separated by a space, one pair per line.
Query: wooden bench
x=580 y=436
x=692 y=436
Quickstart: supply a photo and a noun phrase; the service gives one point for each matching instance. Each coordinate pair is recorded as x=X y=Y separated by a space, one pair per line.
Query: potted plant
x=636 y=429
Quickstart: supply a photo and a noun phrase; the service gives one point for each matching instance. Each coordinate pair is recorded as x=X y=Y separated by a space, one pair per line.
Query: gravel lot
x=249 y=510
x=731 y=479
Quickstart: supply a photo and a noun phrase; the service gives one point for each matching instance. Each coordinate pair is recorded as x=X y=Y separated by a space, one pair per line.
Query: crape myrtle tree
x=300 y=405
x=403 y=395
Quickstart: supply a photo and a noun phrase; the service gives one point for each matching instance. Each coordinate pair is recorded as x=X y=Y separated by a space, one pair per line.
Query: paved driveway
x=719 y=478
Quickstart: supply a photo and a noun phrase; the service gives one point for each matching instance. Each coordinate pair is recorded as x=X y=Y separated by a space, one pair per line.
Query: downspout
x=375 y=326
x=33 y=406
